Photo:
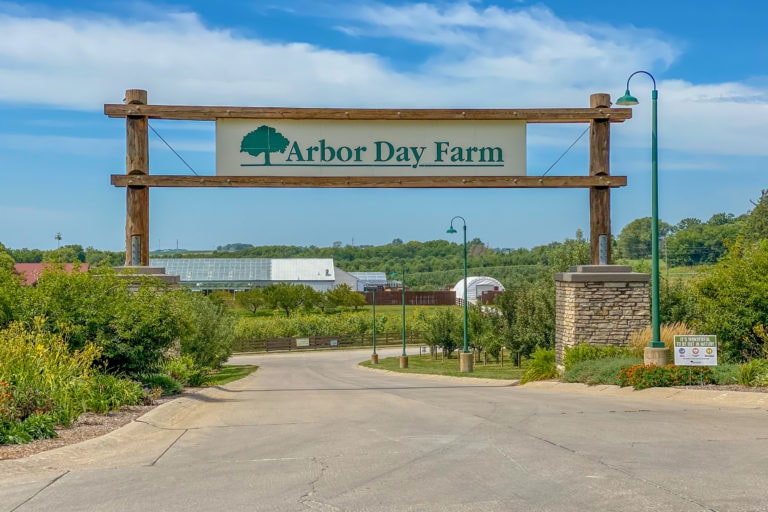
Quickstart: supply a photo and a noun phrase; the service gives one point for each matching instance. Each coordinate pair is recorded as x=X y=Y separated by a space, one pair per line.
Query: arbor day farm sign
x=245 y=147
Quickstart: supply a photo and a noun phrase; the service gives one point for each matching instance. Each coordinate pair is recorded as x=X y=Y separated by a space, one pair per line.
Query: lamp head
x=451 y=230
x=627 y=99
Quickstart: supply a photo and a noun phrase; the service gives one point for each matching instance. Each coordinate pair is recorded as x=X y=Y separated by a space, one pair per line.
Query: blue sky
x=61 y=61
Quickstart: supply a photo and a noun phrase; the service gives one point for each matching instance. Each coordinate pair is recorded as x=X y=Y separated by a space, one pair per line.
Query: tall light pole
x=374 y=356
x=628 y=99
x=465 y=364
x=404 y=356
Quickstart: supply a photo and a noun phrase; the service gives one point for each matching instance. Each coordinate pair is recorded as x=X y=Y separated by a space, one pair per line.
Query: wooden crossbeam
x=199 y=113
x=156 y=180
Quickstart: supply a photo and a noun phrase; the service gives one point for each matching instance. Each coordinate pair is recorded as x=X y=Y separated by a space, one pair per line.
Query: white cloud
x=479 y=57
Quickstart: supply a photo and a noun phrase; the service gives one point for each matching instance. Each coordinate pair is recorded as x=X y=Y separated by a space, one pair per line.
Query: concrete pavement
x=314 y=431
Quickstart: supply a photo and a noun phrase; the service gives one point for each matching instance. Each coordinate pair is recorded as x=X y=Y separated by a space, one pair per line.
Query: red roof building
x=31 y=272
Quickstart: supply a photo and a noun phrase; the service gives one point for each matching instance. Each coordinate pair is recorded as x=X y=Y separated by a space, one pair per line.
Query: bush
x=184 y=370
x=209 y=332
x=105 y=393
x=650 y=376
x=541 y=366
x=168 y=384
x=599 y=371
x=587 y=352
x=753 y=373
x=726 y=373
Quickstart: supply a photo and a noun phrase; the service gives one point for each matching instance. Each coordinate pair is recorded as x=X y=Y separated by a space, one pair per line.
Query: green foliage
x=698 y=243
x=43 y=384
x=734 y=301
x=569 y=253
x=35 y=426
x=104 y=393
x=541 y=366
x=753 y=373
x=251 y=300
x=290 y=297
x=635 y=238
x=651 y=376
x=587 y=352
x=756 y=223
x=168 y=384
x=208 y=332
x=444 y=329
x=599 y=371
x=678 y=301
x=726 y=373
x=344 y=296
x=527 y=317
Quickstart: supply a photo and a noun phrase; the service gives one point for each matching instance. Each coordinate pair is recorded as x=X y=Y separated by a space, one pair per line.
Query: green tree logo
x=263 y=139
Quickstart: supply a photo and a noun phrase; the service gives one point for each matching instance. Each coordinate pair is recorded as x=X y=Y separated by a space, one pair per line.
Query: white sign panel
x=247 y=147
x=695 y=350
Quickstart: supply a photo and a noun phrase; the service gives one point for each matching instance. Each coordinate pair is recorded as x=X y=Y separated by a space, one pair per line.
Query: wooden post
x=137 y=197
x=600 y=197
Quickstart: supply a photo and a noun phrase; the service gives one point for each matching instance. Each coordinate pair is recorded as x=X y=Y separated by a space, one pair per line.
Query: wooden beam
x=137 y=197
x=195 y=113
x=599 y=165
x=156 y=180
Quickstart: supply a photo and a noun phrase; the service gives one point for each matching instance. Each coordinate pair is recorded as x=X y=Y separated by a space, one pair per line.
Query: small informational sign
x=302 y=342
x=334 y=343
x=695 y=350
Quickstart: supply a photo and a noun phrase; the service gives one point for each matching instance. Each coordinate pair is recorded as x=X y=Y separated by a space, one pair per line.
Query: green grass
x=427 y=365
x=228 y=374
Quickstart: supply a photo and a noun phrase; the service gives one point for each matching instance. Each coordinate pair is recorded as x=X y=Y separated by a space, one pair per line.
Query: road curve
x=313 y=431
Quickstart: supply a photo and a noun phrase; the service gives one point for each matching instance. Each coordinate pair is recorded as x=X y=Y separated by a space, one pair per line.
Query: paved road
x=311 y=431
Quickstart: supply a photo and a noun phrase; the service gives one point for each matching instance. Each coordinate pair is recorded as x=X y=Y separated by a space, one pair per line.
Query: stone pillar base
x=374 y=358
x=466 y=361
x=403 y=361
x=655 y=356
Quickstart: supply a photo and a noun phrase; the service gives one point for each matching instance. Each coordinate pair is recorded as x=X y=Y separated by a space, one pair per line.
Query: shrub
x=726 y=373
x=753 y=373
x=599 y=371
x=640 y=339
x=209 y=332
x=650 y=376
x=105 y=393
x=40 y=375
x=587 y=352
x=168 y=384
x=541 y=366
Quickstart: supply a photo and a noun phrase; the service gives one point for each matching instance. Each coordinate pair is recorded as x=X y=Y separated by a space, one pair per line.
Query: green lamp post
x=466 y=360
x=374 y=356
x=629 y=100
x=404 y=356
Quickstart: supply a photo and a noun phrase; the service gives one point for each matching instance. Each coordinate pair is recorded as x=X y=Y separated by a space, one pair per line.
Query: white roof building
x=246 y=273
x=476 y=285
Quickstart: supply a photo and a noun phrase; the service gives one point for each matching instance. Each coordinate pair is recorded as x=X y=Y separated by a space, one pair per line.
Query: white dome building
x=476 y=285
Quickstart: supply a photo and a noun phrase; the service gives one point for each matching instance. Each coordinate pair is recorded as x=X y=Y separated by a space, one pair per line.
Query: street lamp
x=404 y=356
x=374 y=356
x=465 y=364
x=629 y=100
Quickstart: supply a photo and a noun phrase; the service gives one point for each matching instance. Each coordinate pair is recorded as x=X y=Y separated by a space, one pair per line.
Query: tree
x=344 y=296
x=290 y=297
x=251 y=299
x=756 y=224
x=444 y=330
x=635 y=238
x=734 y=301
x=265 y=139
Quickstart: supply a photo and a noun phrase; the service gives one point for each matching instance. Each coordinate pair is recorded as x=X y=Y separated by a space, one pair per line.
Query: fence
x=414 y=298
x=326 y=342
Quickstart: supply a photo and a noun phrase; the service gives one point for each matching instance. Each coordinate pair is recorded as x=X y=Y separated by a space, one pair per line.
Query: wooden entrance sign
x=137 y=179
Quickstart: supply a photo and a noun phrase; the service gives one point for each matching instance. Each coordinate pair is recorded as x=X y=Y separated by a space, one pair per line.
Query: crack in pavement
x=46 y=486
